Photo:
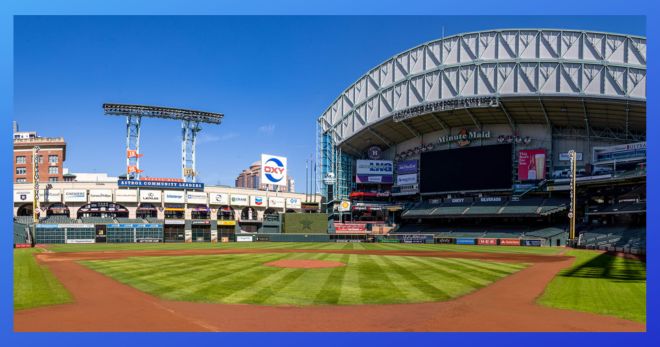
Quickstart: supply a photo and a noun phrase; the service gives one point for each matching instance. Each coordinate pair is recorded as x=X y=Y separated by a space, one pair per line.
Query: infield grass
x=600 y=283
x=34 y=284
x=243 y=279
x=301 y=245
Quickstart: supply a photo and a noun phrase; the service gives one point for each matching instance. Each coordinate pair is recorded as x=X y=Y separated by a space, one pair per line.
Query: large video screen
x=471 y=168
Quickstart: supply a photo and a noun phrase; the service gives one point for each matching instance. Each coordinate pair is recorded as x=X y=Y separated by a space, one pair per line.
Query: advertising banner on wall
x=565 y=157
x=239 y=200
x=258 y=201
x=276 y=202
x=292 y=203
x=100 y=195
x=273 y=170
x=150 y=196
x=462 y=241
x=173 y=196
x=23 y=196
x=509 y=242
x=531 y=164
x=75 y=195
x=406 y=167
x=533 y=243
x=122 y=195
x=218 y=199
x=406 y=179
x=374 y=171
x=50 y=195
x=159 y=184
x=487 y=241
x=196 y=198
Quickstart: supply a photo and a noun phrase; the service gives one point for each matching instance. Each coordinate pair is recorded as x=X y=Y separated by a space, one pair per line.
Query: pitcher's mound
x=304 y=264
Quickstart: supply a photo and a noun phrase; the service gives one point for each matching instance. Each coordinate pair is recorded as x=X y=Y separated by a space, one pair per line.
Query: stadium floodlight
x=190 y=120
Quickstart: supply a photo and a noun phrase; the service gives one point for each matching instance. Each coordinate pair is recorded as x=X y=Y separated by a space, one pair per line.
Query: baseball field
x=325 y=287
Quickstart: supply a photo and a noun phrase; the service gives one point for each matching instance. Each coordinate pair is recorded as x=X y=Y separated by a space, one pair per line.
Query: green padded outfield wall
x=305 y=223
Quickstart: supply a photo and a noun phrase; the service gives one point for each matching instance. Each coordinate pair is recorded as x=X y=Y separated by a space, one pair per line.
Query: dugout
x=201 y=230
x=65 y=233
x=128 y=233
x=174 y=231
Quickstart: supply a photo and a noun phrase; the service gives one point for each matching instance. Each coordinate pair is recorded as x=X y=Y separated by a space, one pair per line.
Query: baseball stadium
x=485 y=181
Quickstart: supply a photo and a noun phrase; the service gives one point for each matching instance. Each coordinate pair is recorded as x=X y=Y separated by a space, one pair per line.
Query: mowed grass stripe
x=132 y=268
x=186 y=264
x=242 y=278
x=448 y=283
x=444 y=269
x=430 y=290
x=472 y=266
x=165 y=283
x=376 y=286
x=483 y=265
x=350 y=286
x=331 y=288
x=299 y=287
x=219 y=286
x=228 y=283
x=401 y=284
x=477 y=275
x=274 y=280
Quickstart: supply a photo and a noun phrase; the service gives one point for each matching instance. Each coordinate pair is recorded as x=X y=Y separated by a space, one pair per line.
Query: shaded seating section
x=485 y=208
x=153 y=220
x=58 y=220
x=97 y=220
x=614 y=238
x=621 y=207
x=129 y=220
x=24 y=219
x=470 y=232
x=422 y=209
x=552 y=206
x=20 y=233
x=522 y=207
x=545 y=232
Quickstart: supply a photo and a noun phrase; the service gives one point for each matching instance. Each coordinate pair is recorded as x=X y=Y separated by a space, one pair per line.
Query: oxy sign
x=273 y=170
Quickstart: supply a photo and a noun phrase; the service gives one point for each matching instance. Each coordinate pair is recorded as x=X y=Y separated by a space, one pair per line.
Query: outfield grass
x=34 y=284
x=602 y=284
x=301 y=245
x=242 y=278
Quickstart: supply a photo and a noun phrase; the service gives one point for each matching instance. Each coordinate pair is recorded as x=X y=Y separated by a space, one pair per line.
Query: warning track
x=103 y=304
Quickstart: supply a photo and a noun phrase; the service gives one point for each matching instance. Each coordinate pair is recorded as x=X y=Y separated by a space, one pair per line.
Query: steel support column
x=189 y=138
x=133 y=123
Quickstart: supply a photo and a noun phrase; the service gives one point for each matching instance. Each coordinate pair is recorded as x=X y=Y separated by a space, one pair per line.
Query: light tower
x=190 y=121
x=35 y=184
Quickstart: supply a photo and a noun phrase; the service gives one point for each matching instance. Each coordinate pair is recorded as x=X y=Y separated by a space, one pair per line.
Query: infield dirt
x=103 y=304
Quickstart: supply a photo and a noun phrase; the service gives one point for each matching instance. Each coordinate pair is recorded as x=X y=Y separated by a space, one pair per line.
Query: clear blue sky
x=271 y=77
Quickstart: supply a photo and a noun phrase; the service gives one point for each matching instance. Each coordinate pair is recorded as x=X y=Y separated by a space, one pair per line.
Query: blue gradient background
x=474 y=7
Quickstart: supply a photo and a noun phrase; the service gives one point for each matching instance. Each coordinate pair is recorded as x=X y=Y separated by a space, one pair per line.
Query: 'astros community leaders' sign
x=160 y=184
x=446 y=105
